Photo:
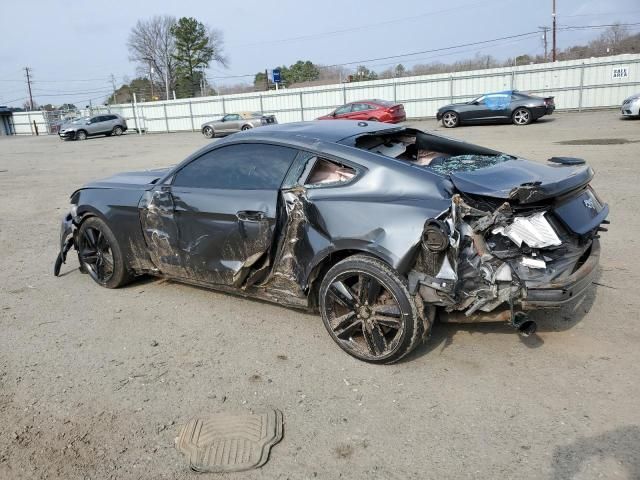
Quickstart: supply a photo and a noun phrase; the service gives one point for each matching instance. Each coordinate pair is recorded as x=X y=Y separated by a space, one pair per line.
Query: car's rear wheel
x=207 y=132
x=81 y=135
x=373 y=119
x=246 y=127
x=368 y=310
x=450 y=119
x=117 y=130
x=100 y=254
x=522 y=116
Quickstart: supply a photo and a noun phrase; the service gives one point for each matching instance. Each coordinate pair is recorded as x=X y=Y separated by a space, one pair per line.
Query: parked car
x=631 y=106
x=371 y=110
x=501 y=107
x=378 y=227
x=235 y=122
x=81 y=128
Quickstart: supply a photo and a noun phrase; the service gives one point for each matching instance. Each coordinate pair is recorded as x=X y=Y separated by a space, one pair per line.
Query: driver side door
x=230 y=123
x=217 y=218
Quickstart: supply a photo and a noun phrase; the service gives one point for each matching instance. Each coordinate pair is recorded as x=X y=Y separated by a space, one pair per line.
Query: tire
x=521 y=116
x=372 y=119
x=450 y=119
x=81 y=135
x=100 y=255
x=117 y=130
x=208 y=132
x=374 y=319
x=246 y=127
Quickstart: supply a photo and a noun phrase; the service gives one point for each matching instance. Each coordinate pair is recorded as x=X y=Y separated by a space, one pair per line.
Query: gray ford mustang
x=236 y=122
x=501 y=107
x=377 y=227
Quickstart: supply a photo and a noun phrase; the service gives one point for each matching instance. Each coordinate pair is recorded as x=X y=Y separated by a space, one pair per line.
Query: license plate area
x=582 y=213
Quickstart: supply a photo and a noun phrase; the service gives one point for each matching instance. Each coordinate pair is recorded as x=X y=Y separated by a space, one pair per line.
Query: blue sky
x=76 y=47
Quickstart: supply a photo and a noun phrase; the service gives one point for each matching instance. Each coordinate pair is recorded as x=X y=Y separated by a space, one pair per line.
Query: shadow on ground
x=622 y=445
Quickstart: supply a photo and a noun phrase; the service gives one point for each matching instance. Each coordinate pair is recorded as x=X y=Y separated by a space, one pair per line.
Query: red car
x=372 y=110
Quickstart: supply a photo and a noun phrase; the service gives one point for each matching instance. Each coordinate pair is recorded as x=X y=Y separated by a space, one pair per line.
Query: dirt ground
x=94 y=383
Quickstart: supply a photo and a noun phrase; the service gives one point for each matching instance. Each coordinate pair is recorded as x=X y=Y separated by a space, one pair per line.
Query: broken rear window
x=440 y=154
x=329 y=172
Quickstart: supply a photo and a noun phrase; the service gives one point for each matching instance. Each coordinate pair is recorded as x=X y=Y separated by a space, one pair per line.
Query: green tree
x=196 y=47
x=363 y=73
x=301 y=72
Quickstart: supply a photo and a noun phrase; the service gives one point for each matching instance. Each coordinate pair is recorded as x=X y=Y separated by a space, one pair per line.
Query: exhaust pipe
x=523 y=324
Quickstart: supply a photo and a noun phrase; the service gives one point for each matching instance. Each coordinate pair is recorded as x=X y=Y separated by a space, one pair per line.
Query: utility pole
x=166 y=78
x=26 y=69
x=113 y=83
x=553 y=15
x=266 y=80
x=544 y=41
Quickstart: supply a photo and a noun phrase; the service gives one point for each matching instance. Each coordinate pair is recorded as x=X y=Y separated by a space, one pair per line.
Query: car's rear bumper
x=556 y=293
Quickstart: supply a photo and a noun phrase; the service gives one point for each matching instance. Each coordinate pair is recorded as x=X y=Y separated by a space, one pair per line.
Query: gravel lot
x=94 y=383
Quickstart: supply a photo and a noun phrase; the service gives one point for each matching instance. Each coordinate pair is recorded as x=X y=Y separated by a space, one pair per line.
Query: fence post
x=513 y=79
x=166 y=118
x=301 y=108
x=344 y=93
x=224 y=110
x=261 y=106
x=395 y=94
x=29 y=120
x=193 y=128
x=451 y=88
x=581 y=87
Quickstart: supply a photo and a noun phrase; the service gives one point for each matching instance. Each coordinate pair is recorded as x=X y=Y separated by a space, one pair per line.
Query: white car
x=631 y=106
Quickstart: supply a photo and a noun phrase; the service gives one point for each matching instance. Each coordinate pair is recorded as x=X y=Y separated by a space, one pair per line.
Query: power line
x=402 y=55
x=361 y=27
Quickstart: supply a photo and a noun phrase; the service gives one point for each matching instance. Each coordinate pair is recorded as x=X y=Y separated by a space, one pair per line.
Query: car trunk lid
x=522 y=181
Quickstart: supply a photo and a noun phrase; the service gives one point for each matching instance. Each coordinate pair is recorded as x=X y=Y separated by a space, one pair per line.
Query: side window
x=329 y=172
x=344 y=109
x=238 y=167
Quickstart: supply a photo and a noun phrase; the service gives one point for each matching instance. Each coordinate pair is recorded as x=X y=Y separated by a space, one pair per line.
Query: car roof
x=322 y=130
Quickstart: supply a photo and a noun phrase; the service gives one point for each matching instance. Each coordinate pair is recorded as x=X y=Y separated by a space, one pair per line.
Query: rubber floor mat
x=230 y=442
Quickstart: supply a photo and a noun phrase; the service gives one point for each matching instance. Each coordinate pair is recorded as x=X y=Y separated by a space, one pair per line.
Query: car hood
x=451 y=105
x=522 y=180
x=144 y=178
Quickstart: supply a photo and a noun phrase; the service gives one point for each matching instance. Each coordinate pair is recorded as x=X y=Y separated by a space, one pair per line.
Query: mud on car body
x=379 y=228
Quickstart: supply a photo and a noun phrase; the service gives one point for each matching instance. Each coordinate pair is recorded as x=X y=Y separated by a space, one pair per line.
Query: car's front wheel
x=246 y=127
x=522 y=116
x=207 y=132
x=100 y=254
x=450 y=119
x=368 y=310
x=81 y=135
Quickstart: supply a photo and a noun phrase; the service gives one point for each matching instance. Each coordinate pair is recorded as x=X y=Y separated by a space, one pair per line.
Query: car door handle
x=251 y=216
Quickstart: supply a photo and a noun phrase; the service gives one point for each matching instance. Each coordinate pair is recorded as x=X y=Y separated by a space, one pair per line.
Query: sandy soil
x=94 y=383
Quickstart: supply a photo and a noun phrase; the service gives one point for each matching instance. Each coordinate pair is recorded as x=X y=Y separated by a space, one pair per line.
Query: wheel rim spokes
x=96 y=254
x=363 y=315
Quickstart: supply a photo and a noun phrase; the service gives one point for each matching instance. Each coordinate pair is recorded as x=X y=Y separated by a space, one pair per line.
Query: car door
x=216 y=220
x=93 y=125
x=230 y=123
x=343 y=112
x=360 y=111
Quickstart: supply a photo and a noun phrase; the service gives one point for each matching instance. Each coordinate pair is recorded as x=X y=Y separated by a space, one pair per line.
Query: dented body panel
x=477 y=233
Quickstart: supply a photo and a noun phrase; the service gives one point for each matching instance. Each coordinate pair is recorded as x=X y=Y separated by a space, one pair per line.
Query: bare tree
x=152 y=46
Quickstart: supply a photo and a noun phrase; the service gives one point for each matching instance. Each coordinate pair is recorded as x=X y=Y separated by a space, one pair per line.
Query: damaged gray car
x=380 y=228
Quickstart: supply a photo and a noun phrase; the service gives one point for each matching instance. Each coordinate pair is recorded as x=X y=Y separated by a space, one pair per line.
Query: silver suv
x=81 y=128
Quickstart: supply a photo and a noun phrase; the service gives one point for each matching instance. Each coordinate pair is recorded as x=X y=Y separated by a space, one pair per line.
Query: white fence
x=576 y=84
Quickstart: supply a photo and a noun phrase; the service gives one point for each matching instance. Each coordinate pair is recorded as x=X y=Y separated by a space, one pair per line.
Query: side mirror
x=223 y=119
x=88 y=122
x=475 y=103
x=333 y=114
